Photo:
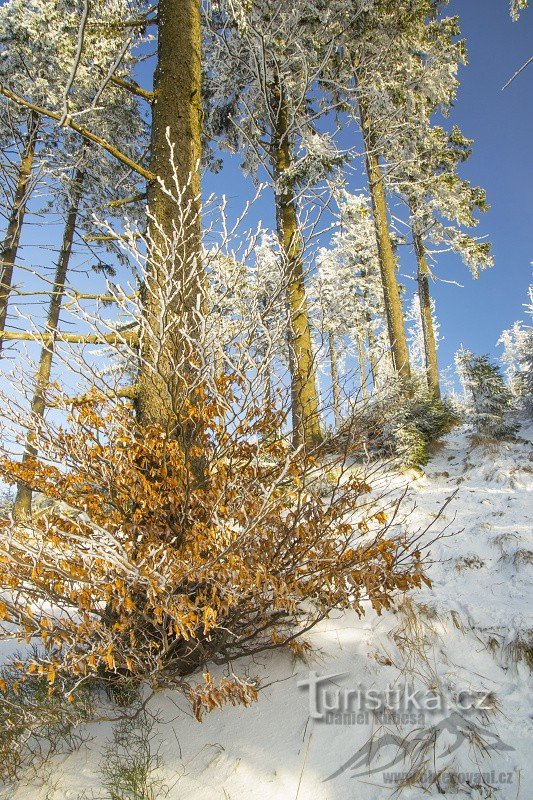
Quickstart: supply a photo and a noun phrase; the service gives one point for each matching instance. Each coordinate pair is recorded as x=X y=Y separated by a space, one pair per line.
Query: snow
x=467 y=628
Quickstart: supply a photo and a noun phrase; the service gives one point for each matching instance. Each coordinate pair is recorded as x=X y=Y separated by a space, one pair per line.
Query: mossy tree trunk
x=428 y=331
x=387 y=261
x=16 y=218
x=304 y=396
x=174 y=289
x=23 y=500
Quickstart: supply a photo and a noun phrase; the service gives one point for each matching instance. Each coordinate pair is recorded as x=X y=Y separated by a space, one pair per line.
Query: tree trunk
x=174 y=289
x=387 y=262
x=335 y=387
x=22 y=507
x=430 y=344
x=16 y=218
x=362 y=368
x=304 y=396
x=370 y=334
x=372 y=354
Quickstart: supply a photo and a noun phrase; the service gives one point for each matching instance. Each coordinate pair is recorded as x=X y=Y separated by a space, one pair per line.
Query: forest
x=233 y=468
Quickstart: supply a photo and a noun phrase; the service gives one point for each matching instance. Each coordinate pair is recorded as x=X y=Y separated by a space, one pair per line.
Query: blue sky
x=501 y=123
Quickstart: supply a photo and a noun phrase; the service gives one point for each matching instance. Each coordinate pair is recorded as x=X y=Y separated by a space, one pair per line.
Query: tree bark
x=23 y=501
x=387 y=262
x=335 y=387
x=428 y=332
x=174 y=289
x=304 y=395
x=16 y=218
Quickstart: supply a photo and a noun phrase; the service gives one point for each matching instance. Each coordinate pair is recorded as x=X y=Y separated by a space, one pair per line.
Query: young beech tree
x=267 y=65
x=161 y=572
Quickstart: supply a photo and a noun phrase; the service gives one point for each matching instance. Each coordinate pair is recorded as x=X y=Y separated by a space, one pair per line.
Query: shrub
x=141 y=571
x=401 y=425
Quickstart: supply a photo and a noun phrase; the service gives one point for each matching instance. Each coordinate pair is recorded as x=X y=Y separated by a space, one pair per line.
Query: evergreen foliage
x=517 y=358
x=403 y=428
x=488 y=398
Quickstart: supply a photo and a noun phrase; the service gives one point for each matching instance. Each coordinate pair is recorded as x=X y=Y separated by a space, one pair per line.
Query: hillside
x=466 y=642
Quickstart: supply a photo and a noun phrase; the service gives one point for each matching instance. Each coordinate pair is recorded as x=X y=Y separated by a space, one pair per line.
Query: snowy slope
x=464 y=641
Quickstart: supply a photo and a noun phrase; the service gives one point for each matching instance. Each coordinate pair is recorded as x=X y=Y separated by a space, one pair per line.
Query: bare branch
x=517 y=73
x=83 y=131
x=128 y=337
x=110 y=237
x=134 y=88
x=128 y=392
x=76 y=62
x=125 y=200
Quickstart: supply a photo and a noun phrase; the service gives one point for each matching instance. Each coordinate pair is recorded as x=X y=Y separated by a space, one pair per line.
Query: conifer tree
x=10 y=245
x=337 y=310
x=417 y=335
x=268 y=61
x=387 y=260
x=45 y=62
x=487 y=394
x=517 y=356
x=174 y=288
x=85 y=189
x=347 y=291
x=22 y=507
x=421 y=160
x=175 y=275
x=381 y=35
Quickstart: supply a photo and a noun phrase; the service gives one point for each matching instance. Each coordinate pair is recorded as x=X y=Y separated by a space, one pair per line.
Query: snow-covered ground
x=462 y=645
